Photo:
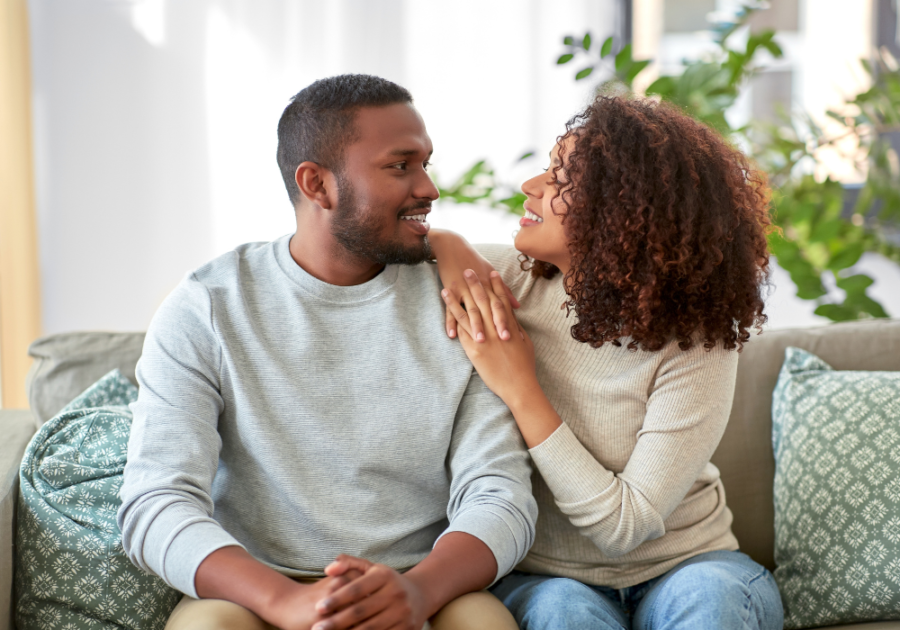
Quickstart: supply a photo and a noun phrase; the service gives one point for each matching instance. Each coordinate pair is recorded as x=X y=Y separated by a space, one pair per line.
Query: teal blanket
x=72 y=572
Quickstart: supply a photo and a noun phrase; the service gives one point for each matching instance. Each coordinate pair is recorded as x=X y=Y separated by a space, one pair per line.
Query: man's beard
x=356 y=230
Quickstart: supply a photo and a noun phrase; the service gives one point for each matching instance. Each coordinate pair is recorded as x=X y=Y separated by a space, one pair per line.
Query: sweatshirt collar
x=331 y=292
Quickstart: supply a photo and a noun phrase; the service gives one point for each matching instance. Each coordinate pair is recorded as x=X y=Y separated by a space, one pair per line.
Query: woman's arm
x=454 y=254
x=506 y=367
x=687 y=410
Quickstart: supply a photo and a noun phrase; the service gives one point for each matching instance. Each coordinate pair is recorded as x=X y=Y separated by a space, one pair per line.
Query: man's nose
x=425 y=188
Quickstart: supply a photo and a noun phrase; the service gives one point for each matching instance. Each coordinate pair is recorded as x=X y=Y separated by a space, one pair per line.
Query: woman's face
x=542 y=236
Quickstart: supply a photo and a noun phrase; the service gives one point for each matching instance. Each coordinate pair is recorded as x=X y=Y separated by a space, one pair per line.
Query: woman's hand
x=505 y=365
x=454 y=254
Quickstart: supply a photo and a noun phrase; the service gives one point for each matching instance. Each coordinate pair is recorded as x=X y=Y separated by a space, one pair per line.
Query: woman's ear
x=311 y=180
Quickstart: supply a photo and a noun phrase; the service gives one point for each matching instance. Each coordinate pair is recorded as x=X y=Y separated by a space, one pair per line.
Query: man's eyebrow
x=406 y=152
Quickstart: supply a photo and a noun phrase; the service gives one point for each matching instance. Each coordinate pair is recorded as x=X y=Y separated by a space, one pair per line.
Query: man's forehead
x=394 y=129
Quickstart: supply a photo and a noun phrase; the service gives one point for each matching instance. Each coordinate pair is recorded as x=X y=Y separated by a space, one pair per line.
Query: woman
x=644 y=257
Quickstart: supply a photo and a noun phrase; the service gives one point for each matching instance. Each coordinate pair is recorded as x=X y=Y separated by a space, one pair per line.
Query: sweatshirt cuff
x=568 y=468
x=181 y=547
x=499 y=531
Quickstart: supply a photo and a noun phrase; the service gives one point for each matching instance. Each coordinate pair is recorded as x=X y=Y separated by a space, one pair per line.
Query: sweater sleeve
x=173 y=452
x=687 y=410
x=490 y=487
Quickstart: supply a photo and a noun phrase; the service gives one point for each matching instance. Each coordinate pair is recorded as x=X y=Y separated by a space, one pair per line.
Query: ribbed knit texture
x=302 y=420
x=625 y=488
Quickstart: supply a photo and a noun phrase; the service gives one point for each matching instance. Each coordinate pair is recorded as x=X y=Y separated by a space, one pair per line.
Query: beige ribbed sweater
x=625 y=487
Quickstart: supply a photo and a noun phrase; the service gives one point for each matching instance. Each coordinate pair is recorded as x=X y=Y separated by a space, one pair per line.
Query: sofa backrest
x=744 y=456
x=68 y=363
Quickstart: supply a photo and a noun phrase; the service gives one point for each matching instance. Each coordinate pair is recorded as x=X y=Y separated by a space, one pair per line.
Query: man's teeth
x=414 y=217
x=531 y=216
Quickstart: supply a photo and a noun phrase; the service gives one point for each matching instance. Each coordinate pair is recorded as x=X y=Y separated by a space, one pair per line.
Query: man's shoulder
x=232 y=264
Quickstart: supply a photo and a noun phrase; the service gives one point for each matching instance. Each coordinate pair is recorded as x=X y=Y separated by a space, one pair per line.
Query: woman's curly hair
x=666 y=224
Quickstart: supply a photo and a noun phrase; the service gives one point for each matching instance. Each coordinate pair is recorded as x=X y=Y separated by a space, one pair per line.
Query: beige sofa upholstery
x=66 y=364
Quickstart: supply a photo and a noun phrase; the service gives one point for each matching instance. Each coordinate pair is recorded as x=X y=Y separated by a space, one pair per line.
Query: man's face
x=384 y=192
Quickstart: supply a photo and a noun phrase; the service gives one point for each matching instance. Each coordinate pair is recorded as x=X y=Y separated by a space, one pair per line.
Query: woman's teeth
x=531 y=216
x=415 y=217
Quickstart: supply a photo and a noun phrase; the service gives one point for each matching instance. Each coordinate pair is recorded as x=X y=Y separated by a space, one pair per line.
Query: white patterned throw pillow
x=836 y=438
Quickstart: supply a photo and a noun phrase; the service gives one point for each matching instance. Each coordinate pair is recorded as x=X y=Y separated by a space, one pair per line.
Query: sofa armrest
x=16 y=429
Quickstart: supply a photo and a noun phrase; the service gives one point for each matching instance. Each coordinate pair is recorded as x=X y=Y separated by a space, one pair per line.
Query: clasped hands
x=356 y=594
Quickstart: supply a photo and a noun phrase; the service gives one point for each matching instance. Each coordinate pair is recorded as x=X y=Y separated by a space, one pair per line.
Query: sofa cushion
x=71 y=570
x=66 y=364
x=16 y=427
x=837 y=492
x=744 y=455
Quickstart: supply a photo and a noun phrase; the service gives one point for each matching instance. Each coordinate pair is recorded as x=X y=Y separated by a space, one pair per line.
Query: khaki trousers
x=473 y=611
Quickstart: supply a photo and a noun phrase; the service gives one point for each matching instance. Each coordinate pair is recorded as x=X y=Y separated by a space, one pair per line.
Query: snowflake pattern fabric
x=71 y=570
x=836 y=437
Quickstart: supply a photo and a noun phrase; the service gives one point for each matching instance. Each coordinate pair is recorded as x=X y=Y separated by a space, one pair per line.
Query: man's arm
x=232 y=574
x=492 y=515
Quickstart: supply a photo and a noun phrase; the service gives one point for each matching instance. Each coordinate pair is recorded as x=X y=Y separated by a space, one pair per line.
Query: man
x=299 y=400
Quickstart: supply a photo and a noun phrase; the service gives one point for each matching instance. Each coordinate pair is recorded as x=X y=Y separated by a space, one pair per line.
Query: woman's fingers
x=456 y=311
x=450 y=322
x=489 y=306
x=476 y=325
x=508 y=293
x=502 y=293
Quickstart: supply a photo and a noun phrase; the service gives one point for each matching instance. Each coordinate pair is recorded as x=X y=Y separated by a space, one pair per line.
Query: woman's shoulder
x=706 y=368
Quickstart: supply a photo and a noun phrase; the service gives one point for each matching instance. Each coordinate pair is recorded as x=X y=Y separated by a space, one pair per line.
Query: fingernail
x=505 y=334
x=468 y=273
x=480 y=337
x=495 y=274
x=444 y=293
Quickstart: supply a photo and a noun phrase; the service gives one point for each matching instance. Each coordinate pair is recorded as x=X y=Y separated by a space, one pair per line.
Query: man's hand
x=232 y=574
x=382 y=598
x=295 y=608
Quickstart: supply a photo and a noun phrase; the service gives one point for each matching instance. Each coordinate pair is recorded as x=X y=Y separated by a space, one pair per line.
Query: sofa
x=66 y=364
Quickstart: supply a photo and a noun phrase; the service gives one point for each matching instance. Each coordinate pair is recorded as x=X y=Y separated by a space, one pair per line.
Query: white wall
x=155 y=125
x=155 y=121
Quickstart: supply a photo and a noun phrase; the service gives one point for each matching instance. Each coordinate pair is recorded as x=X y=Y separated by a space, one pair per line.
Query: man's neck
x=321 y=256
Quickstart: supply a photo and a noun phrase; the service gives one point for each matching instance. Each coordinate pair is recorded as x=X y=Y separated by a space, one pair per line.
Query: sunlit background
x=154 y=120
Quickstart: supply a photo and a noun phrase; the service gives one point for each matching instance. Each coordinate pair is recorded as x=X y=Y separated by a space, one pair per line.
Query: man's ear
x=311 y=179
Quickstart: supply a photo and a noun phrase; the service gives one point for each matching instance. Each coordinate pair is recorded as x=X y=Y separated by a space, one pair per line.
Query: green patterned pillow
x=836 y=437
x=71 y=570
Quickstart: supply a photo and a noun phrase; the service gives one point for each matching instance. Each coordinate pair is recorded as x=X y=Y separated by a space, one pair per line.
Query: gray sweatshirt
x=302 y=420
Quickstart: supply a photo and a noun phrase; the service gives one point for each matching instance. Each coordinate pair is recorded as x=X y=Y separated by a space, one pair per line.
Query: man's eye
x=400 y=167
x=426 y=165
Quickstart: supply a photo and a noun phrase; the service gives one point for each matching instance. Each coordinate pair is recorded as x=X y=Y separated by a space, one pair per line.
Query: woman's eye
x=426 y=165
x=400 y=167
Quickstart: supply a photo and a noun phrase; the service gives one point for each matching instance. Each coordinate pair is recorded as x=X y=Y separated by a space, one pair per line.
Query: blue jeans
x=718 y=590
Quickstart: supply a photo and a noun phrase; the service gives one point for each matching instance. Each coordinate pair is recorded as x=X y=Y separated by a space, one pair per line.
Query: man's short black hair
x=319 y=123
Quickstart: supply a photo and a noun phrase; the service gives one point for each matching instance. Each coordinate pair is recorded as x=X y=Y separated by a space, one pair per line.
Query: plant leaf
x=847 y=257
x=525 y=156
x=855 y=284
x=606 y=48
x=586 y=42
x=568 y=40
x=623 y=57
x=836 y=312
x=564 y=58
x=635 y=70
x=584 y=73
